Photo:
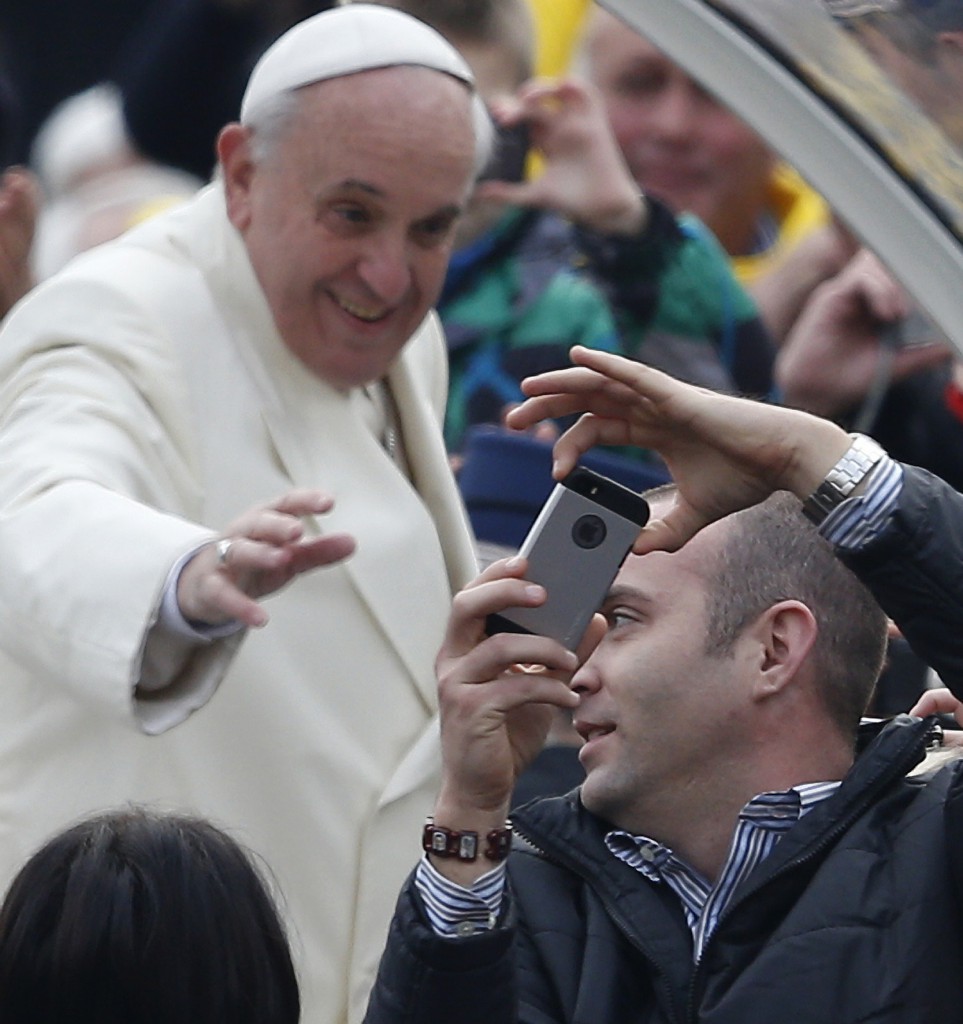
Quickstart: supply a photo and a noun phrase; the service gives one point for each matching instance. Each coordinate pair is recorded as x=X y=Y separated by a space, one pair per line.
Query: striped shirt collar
x=761 y=824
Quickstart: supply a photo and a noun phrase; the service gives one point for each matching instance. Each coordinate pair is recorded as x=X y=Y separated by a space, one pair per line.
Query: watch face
x=863 y=97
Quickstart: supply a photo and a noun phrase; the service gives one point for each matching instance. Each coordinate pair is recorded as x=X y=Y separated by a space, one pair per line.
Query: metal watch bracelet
x=855 y=464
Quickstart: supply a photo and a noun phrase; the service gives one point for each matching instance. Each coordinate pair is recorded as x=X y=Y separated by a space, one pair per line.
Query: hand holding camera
x=510 y=648
x=583 y=174
x=574 y=549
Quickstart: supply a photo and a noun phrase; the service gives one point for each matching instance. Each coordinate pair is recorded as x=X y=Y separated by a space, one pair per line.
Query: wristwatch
x=861 y=456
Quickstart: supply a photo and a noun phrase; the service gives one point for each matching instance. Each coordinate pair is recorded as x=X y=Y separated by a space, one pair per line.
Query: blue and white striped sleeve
x=454 y=911
x=858 y=520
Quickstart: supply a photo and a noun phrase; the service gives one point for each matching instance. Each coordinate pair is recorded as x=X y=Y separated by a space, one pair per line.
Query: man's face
x=681 y=145
x=350 y=218
x=657 y=712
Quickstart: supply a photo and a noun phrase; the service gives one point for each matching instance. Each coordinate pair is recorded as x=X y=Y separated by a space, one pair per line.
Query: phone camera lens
x=589 y=531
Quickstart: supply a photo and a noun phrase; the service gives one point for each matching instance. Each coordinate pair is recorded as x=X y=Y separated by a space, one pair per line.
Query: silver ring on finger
x=223 y=549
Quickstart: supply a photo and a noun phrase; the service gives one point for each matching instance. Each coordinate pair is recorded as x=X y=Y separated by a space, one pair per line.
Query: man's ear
x=783 y=637
x=237 y=169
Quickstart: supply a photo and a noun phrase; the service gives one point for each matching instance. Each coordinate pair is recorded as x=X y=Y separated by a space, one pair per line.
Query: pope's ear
x=237 y=170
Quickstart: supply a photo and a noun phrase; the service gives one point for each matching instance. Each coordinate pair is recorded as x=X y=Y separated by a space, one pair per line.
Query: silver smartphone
x=574 y=550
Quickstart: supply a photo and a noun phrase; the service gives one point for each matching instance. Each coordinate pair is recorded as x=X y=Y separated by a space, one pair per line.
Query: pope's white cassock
x=146 y=400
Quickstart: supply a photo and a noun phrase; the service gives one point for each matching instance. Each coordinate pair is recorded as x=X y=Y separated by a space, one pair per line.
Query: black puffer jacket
x=856 y=916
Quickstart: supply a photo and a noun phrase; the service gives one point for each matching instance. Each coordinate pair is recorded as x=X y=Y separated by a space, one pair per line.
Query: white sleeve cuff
x=171 y=619
x=455 y=911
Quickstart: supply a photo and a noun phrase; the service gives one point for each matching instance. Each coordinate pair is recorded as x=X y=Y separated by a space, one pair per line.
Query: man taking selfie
x=730 y=857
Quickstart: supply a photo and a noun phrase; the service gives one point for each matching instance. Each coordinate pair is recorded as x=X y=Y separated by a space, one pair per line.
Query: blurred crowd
x=618 y=205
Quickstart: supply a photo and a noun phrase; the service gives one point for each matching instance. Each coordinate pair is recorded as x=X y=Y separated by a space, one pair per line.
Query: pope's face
x=349 y=218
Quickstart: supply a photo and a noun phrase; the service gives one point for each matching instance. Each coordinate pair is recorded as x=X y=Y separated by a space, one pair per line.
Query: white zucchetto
x=344 y=41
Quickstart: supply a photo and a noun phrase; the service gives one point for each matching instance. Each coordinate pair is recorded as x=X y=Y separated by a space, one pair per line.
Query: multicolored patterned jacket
x=516 y=301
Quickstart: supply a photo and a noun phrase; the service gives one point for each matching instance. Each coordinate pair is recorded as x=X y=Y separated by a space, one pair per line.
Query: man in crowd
x=729 y=857
x=689 y=150
x=269 y=338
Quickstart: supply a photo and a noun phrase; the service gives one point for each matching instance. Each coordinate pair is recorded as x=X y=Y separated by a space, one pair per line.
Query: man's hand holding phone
x=496 y=694
x=515 y=638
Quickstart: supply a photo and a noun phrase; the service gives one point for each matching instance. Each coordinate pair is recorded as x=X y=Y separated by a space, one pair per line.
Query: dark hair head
x=134 y=917
x=490 y=23
x=773 y=553
x=478 y=20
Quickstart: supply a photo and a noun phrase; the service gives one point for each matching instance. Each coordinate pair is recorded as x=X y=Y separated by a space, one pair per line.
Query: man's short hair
x=773 y=553
x=269 y=122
